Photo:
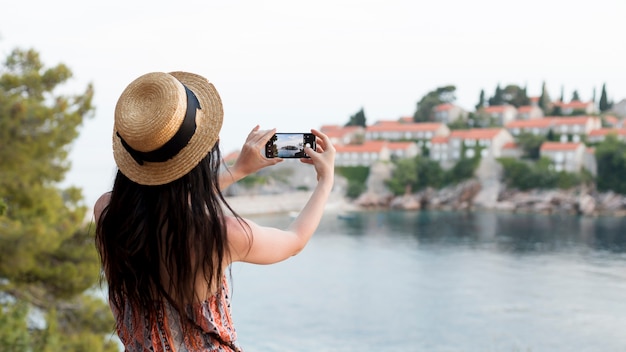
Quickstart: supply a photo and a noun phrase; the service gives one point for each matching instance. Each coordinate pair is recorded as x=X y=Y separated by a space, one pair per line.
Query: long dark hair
x=176 y=230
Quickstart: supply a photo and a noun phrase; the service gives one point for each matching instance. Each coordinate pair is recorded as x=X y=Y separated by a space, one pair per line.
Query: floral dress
x=213 y=329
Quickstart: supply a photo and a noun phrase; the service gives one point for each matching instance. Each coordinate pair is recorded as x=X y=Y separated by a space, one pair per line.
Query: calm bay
x=440 y=281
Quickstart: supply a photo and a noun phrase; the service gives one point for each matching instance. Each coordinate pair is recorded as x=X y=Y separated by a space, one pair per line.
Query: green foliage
x=47 y=256
x=544 y=100
x=530 y=144
x=604 y=103
x=481 y=100
x=463 y=169
x=14 y=336
x=611 y=163
x=430 y=100
x=356 y=176
x=511 y=94
x=537 y=175
x=575 y=96
x=358 y=119
x=252 y=180
x=414 y=174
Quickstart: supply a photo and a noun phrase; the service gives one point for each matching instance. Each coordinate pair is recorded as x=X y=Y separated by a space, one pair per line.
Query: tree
x=530 y=144
x=48 y=261
x=481 y=100
x=575 y=96
x=497 y=98
x=515 y=95
x=611 y=163
x=441 y=95
x=358 y=119
x=404 y=177
x=604 y=104
x=544 y=100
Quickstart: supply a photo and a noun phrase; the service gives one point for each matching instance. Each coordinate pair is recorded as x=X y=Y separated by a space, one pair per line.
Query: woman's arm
x=250 y=159
x=252 y=243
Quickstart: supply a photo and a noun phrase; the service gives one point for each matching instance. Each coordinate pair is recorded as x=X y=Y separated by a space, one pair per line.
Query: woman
x=163 y=235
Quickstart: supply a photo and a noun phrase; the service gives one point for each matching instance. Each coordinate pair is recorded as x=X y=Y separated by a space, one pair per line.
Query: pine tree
x=358 y=119
x=497 y=98
x=47 y=257
x=544 y=100
x=575 y=96
x=604 y=103
x=481 y=100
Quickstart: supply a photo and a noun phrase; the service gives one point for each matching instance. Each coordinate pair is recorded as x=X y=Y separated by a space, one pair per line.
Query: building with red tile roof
x=448 y=113
x=564 y=156
x=585 y=107
x=344 y=134
x=599 y=135
x=529 y=112
x=499 y=114
x=373 y=151
x=399 y=131
x=482 y=142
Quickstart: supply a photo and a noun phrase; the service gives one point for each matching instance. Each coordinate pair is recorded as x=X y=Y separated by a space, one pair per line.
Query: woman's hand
x=323 y=158
x=251 y=157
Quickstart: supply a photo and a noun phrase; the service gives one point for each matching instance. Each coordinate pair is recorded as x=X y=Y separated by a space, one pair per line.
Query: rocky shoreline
x=474 y=195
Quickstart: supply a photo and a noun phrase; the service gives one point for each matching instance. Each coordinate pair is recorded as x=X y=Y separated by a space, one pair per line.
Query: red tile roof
x=439 y=140
x=509 y=145
x=573 y=104
x=395 y=126
x=555 y=146
x=526 y=108
x=368 y=146
x=476 y=133
x=498 y=108
x=578 y=120
x=443 y=107
x=372 y=147
x=606 y=131
x=539 y=123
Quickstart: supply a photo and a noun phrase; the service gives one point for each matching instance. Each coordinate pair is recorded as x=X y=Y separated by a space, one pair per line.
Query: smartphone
x=289 y=145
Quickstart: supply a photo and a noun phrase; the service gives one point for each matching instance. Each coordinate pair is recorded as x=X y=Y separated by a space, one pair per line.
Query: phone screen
x=289 y=145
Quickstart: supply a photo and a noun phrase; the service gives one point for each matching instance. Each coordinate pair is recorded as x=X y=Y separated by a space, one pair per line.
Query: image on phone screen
x=289 y=145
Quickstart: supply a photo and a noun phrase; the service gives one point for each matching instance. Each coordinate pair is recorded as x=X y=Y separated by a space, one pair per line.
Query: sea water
x=440 y=281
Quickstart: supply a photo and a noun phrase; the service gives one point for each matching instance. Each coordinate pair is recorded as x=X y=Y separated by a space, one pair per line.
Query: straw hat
x=165 y=124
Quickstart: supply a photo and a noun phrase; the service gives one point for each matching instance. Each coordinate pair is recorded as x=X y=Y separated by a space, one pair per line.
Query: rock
x=406 y=202
x=586 y=204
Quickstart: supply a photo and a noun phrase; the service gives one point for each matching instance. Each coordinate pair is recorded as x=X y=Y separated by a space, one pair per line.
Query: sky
x=295 y=65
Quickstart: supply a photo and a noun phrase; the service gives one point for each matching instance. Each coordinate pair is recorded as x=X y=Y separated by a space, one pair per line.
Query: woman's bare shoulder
x=100 y=205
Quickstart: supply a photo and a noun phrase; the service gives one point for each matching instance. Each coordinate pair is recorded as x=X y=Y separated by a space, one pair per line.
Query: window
x=428 y=144
x=558 y=157
x=470 y=153
x=576 y=138
x=484 y=152
x=429 y=135
x=516 y=131
x=563 y=138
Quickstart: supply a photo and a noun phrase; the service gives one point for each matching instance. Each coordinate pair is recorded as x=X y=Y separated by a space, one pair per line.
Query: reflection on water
x=440 y=281
x=506 y=232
